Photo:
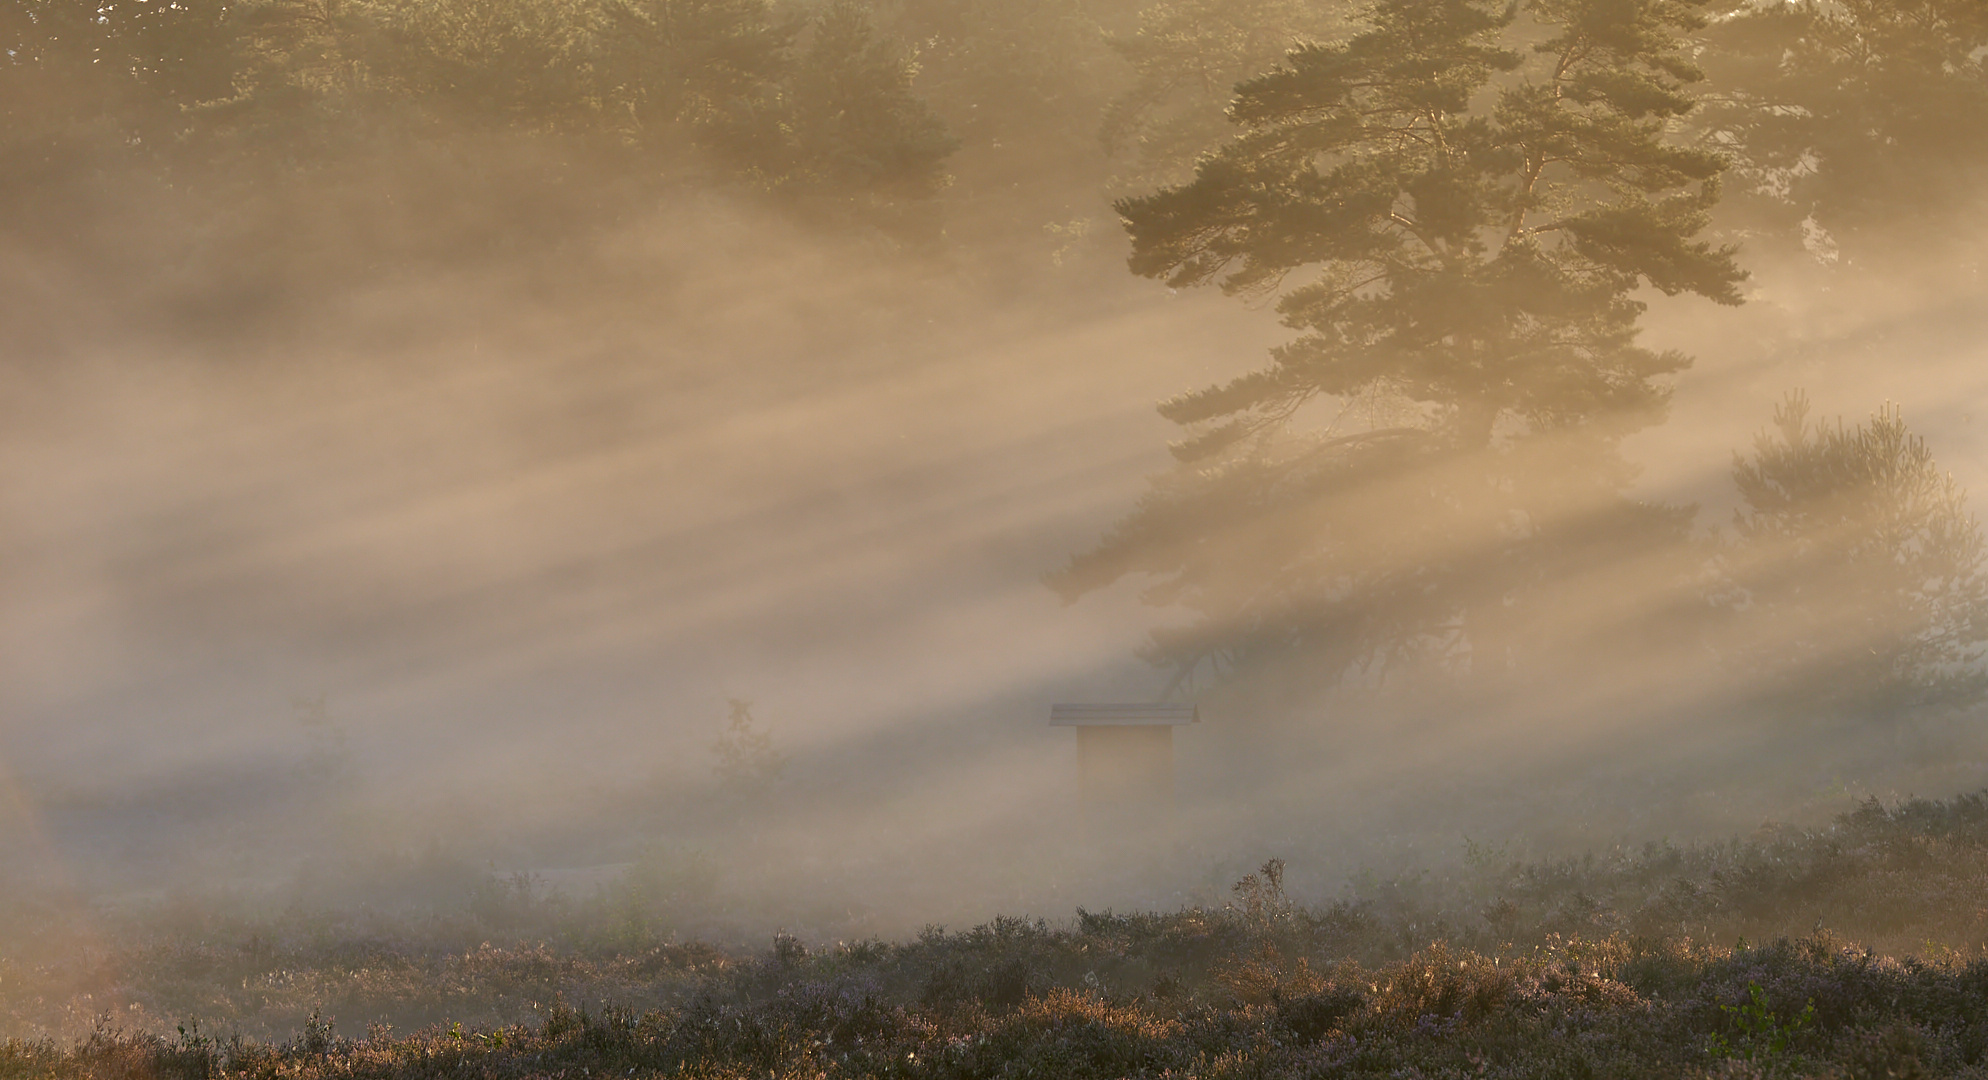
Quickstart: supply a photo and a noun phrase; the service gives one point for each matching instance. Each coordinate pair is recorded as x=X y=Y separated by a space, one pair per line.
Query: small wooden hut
x=1125 y=752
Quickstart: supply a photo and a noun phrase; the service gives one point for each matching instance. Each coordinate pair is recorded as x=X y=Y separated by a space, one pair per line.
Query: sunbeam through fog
x=426 y=427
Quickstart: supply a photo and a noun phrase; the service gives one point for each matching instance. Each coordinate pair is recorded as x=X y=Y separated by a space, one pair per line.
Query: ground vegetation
x=1664 y=960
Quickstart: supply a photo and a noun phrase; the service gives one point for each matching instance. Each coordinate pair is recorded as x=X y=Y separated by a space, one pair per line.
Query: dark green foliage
x=814 y=106
x=1452 y=208
x=1758 y=1033
x=1186 y=59
x=1859 y=118
x=1021 y=82
x=709 y=66
x=497 y=62
x=857 y=126
x=193 y=109
x=84 y=62
x=87 y=88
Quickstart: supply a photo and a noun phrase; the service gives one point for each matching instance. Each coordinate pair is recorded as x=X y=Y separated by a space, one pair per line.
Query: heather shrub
x=1664 y=960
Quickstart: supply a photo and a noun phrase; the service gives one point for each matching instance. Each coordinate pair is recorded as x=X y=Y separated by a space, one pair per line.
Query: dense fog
x=637 y=450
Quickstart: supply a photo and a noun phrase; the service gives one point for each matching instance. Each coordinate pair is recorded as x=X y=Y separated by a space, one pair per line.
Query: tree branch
x=1416 y=231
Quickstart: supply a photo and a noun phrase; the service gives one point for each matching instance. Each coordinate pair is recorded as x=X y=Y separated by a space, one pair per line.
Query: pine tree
x=747 y=761
x=1453 y=208
x=857 y=125
x=1856 y=125
x=704 y=71
x=1187 y=57
x=1866 y=579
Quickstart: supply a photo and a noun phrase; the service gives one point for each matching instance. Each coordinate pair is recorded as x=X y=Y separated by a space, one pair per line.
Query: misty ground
x=387 y=539
x=1712 y=959
x=450 y=600
x=474 y=568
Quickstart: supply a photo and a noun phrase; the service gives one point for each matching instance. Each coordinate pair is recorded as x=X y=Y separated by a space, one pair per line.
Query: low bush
x=1554 y=969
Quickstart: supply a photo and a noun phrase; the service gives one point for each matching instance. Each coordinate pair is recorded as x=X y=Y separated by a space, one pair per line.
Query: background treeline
x=1847 y=122
x=227 y=158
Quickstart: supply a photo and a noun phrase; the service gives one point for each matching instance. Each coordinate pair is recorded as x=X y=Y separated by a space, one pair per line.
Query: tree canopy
x=1187 y=57
x=1453 y=208
x=817 y=100
x=1458 y=207
x=1865 y=578
x=1855 y=125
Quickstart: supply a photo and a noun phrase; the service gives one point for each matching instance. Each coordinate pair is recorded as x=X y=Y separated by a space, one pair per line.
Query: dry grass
x=1629 y=964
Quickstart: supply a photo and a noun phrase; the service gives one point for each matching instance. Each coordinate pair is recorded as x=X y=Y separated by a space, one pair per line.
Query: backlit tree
x=1862 y=570
x=1453 y=208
